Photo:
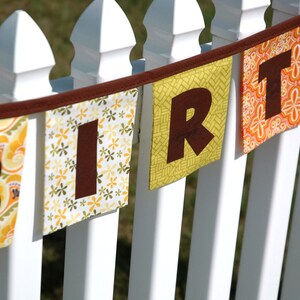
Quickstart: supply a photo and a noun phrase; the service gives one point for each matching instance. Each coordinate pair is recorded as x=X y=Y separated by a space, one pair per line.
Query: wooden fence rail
x=103 y=39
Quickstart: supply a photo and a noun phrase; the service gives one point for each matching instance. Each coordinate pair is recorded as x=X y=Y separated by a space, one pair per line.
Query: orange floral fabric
x=12 y=152
x=256 y=128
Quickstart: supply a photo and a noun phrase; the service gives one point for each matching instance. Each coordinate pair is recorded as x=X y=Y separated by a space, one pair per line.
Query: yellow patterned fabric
x=189 y=114
x=12 y=151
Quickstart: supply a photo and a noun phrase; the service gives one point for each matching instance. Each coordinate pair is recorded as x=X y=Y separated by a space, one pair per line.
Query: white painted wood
x=25 y=59
x=235 y=20
x=90 y=258
x=25 y=63
x=269 y=204
x=290 y=281
x=268 y=213
x=283 y=10
x=220 y=184
x=173 y=28
x=103 y=39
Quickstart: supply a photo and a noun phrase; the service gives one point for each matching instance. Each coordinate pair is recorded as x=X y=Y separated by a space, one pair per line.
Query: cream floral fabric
x=115 y=115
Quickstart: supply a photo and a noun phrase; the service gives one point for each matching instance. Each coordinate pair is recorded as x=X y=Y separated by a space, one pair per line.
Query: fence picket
x=220 y=185
x=173 y=28
x=290 y=284
x=268 y=211
x=103 y=39
x=269 y=204
x=25 y=64
x=284 y=9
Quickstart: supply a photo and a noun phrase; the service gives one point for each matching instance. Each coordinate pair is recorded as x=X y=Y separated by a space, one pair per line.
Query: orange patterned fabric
x=12 y=152
x=256 y=126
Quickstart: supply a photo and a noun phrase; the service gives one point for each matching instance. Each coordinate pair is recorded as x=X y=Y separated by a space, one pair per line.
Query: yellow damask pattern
x=115 y=115
x=12 y=152
x=214 y=77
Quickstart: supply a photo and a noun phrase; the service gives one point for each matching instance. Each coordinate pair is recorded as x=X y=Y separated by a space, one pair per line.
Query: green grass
x=57 y=19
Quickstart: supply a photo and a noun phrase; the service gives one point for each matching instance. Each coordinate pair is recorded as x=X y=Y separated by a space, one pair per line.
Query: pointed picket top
x=290 y=7
x=285 y=9
x=173 y=29
x=103 y=39
x=25 y=59
x=235 y=20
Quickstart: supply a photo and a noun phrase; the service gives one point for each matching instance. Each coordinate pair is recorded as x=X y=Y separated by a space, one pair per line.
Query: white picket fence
x=103 y=39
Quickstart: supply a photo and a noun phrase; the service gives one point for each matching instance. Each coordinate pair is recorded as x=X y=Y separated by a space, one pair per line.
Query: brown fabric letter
x=192 y=130
x=86 y=167
x=271 y=69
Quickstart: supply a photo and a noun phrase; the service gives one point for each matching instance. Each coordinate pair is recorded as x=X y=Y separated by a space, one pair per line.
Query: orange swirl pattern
x=12 y=151
x=256 y=128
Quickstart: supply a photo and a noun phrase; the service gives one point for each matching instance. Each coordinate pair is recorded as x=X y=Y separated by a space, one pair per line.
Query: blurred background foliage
x=56 y=19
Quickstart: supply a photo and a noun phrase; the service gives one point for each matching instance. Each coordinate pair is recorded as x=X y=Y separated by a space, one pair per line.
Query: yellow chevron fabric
x=214 y=78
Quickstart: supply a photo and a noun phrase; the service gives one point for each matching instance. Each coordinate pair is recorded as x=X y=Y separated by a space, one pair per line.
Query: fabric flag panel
x=189 y=114
x=12 y=152
x=87 y=155
x=270 y=89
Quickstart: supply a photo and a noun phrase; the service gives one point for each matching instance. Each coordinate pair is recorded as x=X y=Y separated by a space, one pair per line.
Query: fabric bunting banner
x=89 y=131
x=12 y=151
x=270 y=88
x=87 y=155
x=188 y=121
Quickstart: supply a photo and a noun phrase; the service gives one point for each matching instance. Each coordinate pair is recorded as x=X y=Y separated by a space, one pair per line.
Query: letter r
x=191 y=130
